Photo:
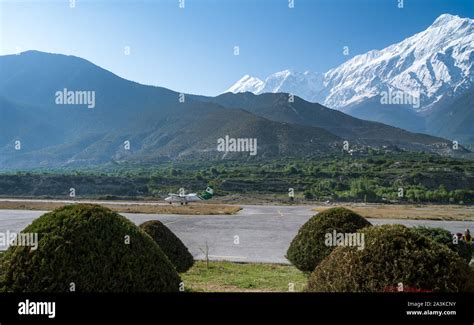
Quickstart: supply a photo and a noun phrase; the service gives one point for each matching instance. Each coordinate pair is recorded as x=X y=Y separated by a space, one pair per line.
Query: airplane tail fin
x=207 y=194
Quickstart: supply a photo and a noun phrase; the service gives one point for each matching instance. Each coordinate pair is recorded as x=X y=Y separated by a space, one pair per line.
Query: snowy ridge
x=247 y=83
x=434 y=63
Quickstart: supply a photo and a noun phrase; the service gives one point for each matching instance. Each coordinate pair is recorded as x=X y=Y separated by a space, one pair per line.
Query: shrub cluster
x=442 y=236
x=393 y=255
x=87 y=248
x=170 y=244
x=308 y=248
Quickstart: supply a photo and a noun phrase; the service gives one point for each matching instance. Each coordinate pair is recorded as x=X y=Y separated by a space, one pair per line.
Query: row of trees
x=365 y=190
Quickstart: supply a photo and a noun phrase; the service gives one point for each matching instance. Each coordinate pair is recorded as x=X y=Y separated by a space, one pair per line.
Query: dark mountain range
x=451 y=118
x=454 y=118
x=157 y=124
x=276 y=106
x=401 y=116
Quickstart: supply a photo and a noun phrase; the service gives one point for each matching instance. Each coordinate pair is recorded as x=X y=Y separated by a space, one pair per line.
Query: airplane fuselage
x=191 y=197
x=183 y=198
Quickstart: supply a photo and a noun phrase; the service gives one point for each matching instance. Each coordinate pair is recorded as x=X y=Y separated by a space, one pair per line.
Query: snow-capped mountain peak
x=434 y=63
x=445 y=19
x=305 y=84
x=247 y=83
x=429 y=64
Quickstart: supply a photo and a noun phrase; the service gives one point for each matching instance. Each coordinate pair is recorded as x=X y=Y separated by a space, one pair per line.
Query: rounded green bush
x=170 y=244
x=393 y=255
x=87 y=248
x=444 y=237
x=308 y=248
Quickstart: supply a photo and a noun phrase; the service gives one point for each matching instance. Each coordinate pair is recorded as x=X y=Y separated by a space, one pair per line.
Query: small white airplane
x=183 y=198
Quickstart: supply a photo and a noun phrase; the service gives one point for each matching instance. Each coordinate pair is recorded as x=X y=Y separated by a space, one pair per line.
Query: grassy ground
x=193 y=209
x=243 y=277
x=414 y=212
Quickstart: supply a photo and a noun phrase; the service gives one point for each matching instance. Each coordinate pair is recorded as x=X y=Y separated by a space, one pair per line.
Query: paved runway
x=254 y=234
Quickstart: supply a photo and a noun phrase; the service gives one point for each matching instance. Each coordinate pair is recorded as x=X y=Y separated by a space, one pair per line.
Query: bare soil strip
x=191 y=209
x=413 y=212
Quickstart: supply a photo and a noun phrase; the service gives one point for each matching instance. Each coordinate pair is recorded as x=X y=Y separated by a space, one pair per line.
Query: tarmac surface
x=257 y=233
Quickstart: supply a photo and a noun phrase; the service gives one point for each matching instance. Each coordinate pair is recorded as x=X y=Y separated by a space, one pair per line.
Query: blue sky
x=192 y=49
